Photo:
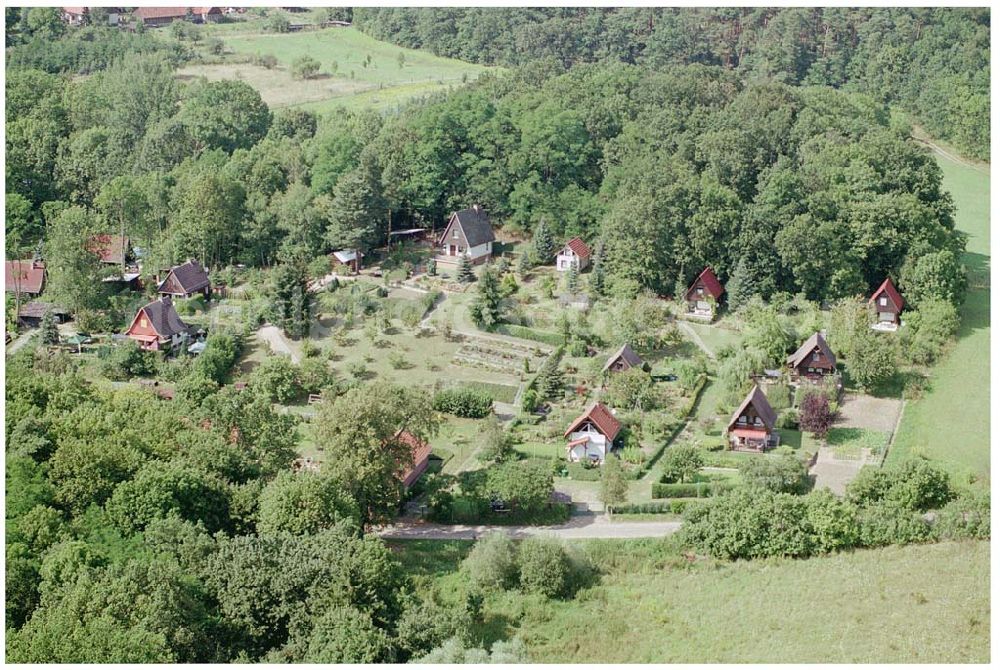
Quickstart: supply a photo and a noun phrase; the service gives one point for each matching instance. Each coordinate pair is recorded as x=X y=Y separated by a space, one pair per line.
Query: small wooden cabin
x=347 y=261
x=622 y=360
x=186 y=280
x=888 y=305
x=703 y=294
x=468 y=233
x=752 y=426
x=813 y=360
x=421 y=452
x=157 y=326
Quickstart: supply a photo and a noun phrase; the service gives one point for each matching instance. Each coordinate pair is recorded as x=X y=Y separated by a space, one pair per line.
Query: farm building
x=77 y=16
x=703 y=294
x=421 y=457
x=347 y=260
x=751 y=427
x=813 y=360
x=160 y=16
x=157 y=326
x=888 y=304
x=25 y=277
x=113 y=249
x=31 y=313
x=592 y=434
x=186 y=280
x=468 y=233
x=575 y=253
x=622 y=360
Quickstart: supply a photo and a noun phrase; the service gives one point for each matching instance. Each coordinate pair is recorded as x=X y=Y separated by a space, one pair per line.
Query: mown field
x=356 y=71
x=651 y=606
x=951 y=423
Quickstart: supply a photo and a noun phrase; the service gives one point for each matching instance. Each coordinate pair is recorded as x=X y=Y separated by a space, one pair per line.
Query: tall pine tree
x=465 y=272
x=542 y=243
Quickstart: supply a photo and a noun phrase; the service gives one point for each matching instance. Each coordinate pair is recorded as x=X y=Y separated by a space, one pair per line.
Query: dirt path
x=279 y=344
x=21 y=340
x=579 y=527
x=695 y=337
x=921 y=136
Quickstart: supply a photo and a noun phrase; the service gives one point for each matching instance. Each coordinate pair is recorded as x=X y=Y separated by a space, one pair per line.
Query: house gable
x=705 y=285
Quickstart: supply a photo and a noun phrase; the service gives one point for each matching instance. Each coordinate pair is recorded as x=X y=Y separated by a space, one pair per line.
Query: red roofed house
x=576 y=252
x=421 y=457
x=752 y=426
x=468 y=233
x=704 y=294
x=592 y=434
x=24 y=277
x=157 y=326
x=159 y=16
x=185 y=280
x=888 y=304
x=77 y=16
x=113 y=249
x=813 y=360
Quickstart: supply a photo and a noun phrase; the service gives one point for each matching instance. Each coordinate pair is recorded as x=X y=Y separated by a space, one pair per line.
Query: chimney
x=476 y=209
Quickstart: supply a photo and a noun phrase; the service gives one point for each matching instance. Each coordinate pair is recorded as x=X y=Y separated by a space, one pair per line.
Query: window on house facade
x=742 y=419
x=454 y=233
x=883 y=301
x=815 y=356
x=143 y=323
x=757 y=421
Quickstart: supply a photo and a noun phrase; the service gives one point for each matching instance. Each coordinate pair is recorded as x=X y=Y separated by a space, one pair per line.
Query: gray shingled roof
x=476 y=226
x=164 y=319
x=626 y=353
x=815 y=340
x=759 y=401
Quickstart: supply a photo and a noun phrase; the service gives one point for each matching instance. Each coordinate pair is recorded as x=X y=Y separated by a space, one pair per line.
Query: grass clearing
x=356 y=71
x=655 y=607
x=950 y=423
x=849 y=442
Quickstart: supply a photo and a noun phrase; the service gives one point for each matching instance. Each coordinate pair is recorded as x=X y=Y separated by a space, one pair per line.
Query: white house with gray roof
x=468 y=233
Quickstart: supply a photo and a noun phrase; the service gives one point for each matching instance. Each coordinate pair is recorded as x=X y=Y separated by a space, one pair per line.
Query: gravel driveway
x=579 y=527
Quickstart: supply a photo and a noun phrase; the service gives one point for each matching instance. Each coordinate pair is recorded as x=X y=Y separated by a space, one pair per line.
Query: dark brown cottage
x=704 y=293
x=622 y=360
x=887 y=303
x=752 y=426
x=184 y=281
x=813 y=360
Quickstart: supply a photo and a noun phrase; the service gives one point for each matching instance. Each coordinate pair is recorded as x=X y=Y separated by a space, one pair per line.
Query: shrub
x=815 y=414
x=784 y=474
x=526 y=485
x=544 y=567
x=525 y=333
x=915 y=484
x=780 y=396
x=463 y=402
x=681 y=463
x=967 y=516
x=656 y=507
x=276 y=378
x=194 y=387
x=492 y=563
x=888 y=523
x=698 y=490
x=833 y=521
x=788 y=419
x=128 y=360
x=304 y=503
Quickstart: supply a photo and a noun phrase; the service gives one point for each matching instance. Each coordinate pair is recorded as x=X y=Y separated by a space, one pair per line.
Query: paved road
x=579 y=527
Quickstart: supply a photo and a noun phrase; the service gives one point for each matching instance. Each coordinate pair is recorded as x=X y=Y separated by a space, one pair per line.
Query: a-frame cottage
x=622 y=360
x=186 y=280
x=751 y=427
x=574 y=253
x=888 y=304
x=157 y=326
x=468 y=233
x=704 y=294
x=592 y=434
x=813 y=360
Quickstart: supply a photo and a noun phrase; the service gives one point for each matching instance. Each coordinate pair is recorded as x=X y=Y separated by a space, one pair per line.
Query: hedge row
x=663 y=507
x=697 y=490
x=525 y=333
x=685 y=411
x=463 y=402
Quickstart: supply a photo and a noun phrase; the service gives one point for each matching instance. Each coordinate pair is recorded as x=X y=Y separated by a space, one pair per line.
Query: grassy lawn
x=383 y=83
x=848 y=442
x=654 y=607
x=716 y=337
x=950 y=423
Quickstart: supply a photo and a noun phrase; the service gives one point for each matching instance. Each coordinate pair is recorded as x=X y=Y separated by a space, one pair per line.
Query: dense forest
x=933 y=62
x=666 y=171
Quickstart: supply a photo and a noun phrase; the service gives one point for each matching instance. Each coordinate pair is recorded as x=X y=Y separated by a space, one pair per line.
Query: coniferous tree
x=597 y=271
x=48 y=332
x=572 y=279
x=523 y=264
x=542 y=243
x=550 y=378
x=465 y=271
x=486 y=310
x=740 y=287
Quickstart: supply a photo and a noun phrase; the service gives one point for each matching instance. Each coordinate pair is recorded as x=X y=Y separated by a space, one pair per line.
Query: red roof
x=710 y=281
x=890 y=290
x=145 y=13
x=579 y=247
x=111 y=248
x=602 y=418
x=24 y=276
x=421 y=452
